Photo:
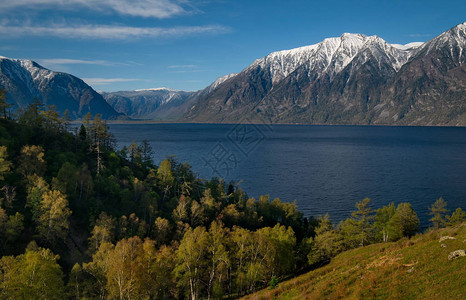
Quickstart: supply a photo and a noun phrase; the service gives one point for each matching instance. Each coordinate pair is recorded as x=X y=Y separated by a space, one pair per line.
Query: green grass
x=407 y=269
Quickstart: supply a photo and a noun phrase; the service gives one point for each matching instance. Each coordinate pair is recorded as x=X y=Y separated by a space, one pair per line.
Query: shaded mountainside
x=25 y=80
x=353 y=79
x=408 y=269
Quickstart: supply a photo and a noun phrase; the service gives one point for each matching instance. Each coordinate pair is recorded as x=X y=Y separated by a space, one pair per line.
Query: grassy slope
x=407 y=269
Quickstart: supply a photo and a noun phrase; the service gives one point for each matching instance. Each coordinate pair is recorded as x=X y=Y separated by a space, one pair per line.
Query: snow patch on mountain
x=408 y=46
x=332 y=55
x=219 y=81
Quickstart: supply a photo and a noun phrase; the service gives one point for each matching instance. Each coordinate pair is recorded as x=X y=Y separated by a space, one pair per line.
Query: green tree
x=191 y=260
x=51 y=119
x=85 y=184
x=123 y=269
x=31 y=161
x=357 y=231
x=405 y=221
x=219 y=259
x=14 y=227
x=135 y=153
x=5 y=165
x=35 y=274
x=9 y=196
x=384 y=232
x=197 y=214
x=165 y=176
x=101 y=138
x=457 y=217
x=103 y=232
x=438 y=211
x=327 y=242
x=99 y=267
x=54 y=219
x=66 y=180
x=4 y=106
x=146 y=152
x=32 y=114
x=37 y=186
x=161 y=231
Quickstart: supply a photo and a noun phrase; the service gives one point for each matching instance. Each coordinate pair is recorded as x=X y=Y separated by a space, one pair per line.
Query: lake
x=322 y=168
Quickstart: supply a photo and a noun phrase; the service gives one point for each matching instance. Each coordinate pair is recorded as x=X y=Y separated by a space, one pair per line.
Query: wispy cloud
x=142 y=8
x=105 y=81
x=68 y=61
x=110 y=32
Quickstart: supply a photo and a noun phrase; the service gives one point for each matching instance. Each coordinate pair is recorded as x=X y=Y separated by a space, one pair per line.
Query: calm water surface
x=323 y=168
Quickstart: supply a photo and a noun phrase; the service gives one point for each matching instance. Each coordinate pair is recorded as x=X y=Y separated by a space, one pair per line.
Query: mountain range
x=351 y=79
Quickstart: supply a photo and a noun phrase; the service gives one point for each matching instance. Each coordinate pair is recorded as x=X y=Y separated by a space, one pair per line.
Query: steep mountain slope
x=408 y=269
x=353 y=79
x=25 y=80
x=431 y=87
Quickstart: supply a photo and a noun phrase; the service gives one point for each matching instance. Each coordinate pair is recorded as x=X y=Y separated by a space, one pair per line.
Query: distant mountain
x=25 y=80
x=155 y=104
x=159 y=103
x=352 y=79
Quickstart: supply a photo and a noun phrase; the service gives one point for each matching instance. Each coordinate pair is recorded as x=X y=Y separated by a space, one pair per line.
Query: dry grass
x=407 y=269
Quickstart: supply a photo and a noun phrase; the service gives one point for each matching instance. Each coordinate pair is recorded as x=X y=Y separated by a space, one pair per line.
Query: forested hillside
x=80 y=219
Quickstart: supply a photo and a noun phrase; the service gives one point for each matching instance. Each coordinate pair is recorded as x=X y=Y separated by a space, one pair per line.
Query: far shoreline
x=149 y=122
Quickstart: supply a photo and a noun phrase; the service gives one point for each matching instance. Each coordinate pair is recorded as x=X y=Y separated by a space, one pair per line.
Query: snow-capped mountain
x=25 y=80
x=330 y=56
x=351 y=79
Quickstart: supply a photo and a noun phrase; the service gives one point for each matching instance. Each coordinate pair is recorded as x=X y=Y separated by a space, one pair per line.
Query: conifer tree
x=438 y=211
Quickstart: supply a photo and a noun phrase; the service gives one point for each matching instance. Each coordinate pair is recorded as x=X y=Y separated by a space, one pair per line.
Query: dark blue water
x=322 y=168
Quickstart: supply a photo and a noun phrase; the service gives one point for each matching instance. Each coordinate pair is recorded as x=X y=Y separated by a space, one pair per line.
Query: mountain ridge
x=345 y=80
x=350 y=79
x=25 y=80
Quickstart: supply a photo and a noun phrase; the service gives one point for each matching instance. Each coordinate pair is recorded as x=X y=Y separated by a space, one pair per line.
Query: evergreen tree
x=438 y=211
x=457 y=217
x=327 y=242
x=4 y=106
x=357 y=230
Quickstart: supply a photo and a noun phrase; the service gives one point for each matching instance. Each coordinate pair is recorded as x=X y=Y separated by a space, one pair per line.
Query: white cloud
x=142 y=8
x=105 y=81
x=109 y=32
x=68 y=61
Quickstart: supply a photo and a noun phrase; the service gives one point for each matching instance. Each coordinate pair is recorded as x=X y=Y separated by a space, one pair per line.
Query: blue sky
x=186 y=44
